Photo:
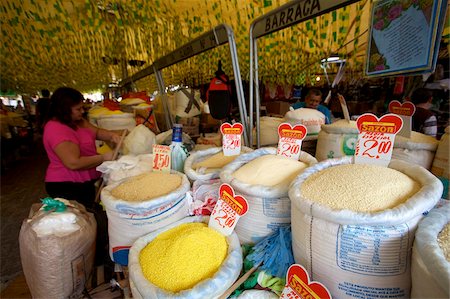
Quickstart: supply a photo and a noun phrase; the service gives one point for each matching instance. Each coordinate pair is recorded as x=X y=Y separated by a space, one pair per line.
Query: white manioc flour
x=218 y=160
x=444 y=241
x=269 y=170
x=147 y=186
x=359 y=188
x=417 y=137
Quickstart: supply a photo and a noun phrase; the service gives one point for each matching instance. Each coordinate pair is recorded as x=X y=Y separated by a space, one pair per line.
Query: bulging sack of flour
x=419 y=149
x=312 y=119
x=57 y=251
x=359 y=254
x=337 y=140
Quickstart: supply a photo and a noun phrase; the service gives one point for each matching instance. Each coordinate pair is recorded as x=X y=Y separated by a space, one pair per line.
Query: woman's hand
x=108 y=156
x=115 y=138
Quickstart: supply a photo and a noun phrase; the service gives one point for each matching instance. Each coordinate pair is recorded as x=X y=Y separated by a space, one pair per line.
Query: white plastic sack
x=58 y=265
x=257 y=294
x=197 y=156
x=125 y=167
x=182 y=102
x=269 y=206
x=430 y=271
x=312 y=119
x=139 y=141
x=116 y=122
x=129 y=220
x=419 y=149
x=336 y=140
x=357 y=254
x=209 y=288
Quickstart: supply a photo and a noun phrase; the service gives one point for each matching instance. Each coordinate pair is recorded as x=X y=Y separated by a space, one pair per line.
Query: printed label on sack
x=299 y=286
x=161 y=158
x=78 y=275
x=405 y=110
x=376 y=138
x=227 y=211
x=231 y=138
x=290 y=140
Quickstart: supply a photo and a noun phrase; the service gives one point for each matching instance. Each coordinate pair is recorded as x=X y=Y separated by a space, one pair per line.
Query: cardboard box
x=277 y=108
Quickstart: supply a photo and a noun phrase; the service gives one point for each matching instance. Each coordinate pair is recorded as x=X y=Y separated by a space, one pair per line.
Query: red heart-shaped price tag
x=407 y=108
x=236 y=202
x=235 y=129
x=286 y=130
x=389 y=123
x=298 y=279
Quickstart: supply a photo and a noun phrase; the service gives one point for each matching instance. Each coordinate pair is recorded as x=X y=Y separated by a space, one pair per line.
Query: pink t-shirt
x=55 y=133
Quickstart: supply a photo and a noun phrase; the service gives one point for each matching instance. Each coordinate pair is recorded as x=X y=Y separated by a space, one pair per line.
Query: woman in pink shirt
x=69 y=140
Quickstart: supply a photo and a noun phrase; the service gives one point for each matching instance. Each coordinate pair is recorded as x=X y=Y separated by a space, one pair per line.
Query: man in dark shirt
x=423 y=120
x=42 y=107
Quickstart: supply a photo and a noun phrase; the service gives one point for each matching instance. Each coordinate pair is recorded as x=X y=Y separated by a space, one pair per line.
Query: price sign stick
x=405 y=110
x=344 y=107
x=231 y=140
x=376 y=138
x=290 y=140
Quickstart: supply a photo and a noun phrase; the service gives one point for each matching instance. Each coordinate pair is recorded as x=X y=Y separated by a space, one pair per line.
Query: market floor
x=22 y=184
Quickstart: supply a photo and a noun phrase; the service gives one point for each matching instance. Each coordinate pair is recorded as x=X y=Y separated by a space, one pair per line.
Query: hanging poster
x=404 y=36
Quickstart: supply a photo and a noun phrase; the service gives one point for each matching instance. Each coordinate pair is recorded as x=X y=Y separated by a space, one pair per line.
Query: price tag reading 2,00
x=290 y=140
x=227 y=211
x=376 y=138
x=231 y=141
x=161 y=158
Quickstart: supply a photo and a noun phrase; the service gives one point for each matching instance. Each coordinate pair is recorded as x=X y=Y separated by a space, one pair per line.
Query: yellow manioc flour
x=215 y=161
x=444 y=241
x=359 y=188
x=183 y=256
x=147 y=186
x=269 y=170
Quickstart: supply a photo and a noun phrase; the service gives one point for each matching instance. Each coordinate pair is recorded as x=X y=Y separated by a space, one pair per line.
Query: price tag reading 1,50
x=298 y=285
x=231 y=140
x=161 y=158
x=290 y=140
x=227 y=211
x=376 y=138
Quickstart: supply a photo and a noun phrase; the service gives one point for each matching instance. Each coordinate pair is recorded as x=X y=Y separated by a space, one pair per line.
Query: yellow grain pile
x=183 y=256
x=147 y=186
x=444 y=241
x=269 y=170
x=359 y=188
x=215 y=161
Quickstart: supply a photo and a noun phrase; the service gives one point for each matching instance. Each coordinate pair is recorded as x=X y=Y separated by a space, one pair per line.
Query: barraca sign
x=294 y=12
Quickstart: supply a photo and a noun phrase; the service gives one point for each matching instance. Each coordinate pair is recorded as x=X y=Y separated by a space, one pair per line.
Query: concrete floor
x=22 y=184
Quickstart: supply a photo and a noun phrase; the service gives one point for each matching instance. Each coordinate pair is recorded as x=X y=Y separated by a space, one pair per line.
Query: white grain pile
x=147 y=186
x=343 y=123
x=444 y=241
x=417 y=137
x=215 y=161
x=359 y=188
x=269 y=170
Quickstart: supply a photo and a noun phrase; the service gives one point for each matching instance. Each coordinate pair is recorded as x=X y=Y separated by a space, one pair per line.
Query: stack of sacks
x=142 y=204
x=441 y=163
x=430 y=268
x=183 y=103
x=263 y=178
x=418 y=149
x=353 y=225
x=96 y=111
x=207 y=164
x=337 y=140
x=186 y=259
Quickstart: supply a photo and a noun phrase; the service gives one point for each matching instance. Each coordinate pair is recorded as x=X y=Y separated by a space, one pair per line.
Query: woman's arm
x=69 y=153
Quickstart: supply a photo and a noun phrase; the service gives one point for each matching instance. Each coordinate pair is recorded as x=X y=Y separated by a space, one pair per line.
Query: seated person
x=312 y=101
x=423 y=120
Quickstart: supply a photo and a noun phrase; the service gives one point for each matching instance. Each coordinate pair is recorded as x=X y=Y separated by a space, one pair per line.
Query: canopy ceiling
x=52 y=43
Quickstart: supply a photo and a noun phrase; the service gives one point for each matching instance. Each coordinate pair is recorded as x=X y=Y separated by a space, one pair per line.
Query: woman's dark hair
x=61 y=103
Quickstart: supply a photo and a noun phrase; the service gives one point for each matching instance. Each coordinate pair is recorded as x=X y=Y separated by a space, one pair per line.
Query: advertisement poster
x=404 y=36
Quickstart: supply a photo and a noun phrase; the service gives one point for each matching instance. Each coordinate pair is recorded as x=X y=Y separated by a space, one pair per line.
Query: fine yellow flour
x=359 y=188
x=444 y=241
x=215 y=161
x=269 y=170
x=147 y=186
x=183 y=256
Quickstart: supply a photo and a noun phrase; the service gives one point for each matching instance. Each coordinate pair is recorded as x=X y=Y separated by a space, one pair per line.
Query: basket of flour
x=353 y=225
x=142 y=204
x=185 y=259
x=263 y=178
